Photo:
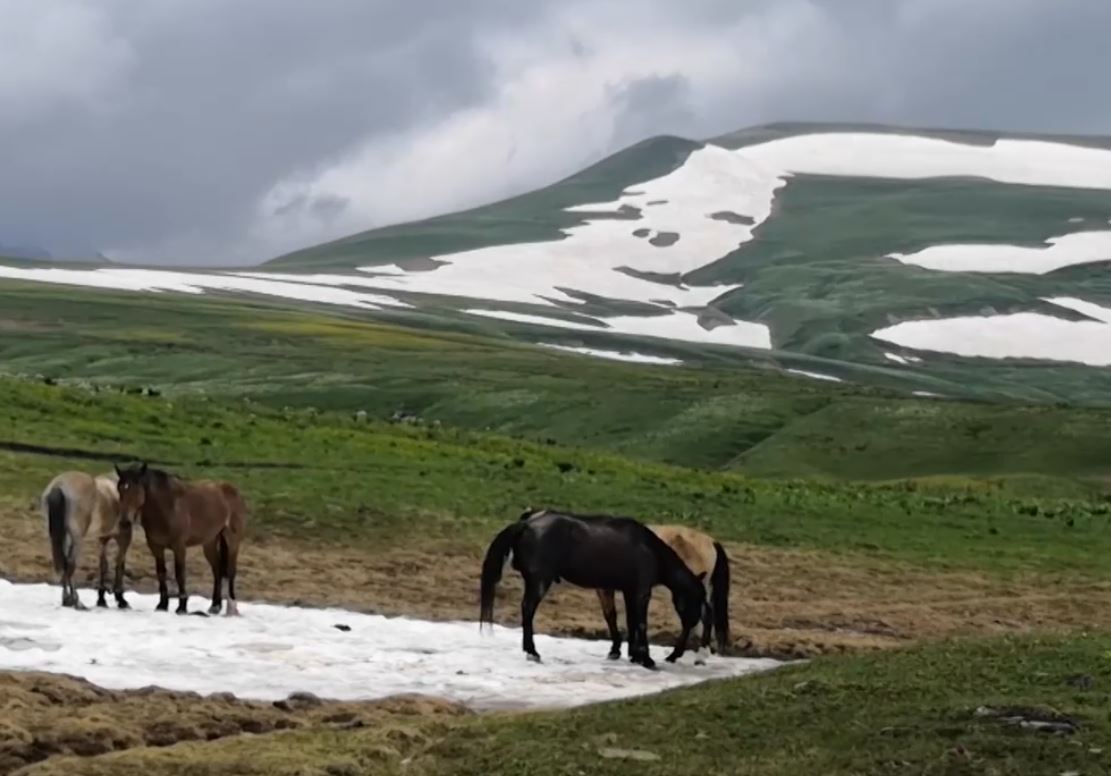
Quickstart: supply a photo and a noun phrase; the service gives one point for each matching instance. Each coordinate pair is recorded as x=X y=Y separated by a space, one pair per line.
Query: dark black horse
x=597 y=552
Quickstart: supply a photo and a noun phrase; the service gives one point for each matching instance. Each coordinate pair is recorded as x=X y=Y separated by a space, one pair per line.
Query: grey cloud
x=159 y=126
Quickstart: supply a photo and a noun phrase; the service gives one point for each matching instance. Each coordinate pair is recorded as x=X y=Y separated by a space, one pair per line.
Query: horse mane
x=159 y=478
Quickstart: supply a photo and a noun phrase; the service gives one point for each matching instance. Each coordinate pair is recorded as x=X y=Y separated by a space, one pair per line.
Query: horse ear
x=143 y=469
x=116 y=466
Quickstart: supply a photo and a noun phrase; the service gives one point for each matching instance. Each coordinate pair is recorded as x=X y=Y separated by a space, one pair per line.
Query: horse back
x=220 y=498
x=695 y=548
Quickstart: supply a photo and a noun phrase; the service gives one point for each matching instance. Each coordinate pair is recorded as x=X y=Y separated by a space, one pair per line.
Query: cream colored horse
x=76 y=505
x=702 y=555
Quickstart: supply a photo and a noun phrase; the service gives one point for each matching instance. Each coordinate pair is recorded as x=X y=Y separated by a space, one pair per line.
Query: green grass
x=716 y=415
x=907 y=712
x=324 y=475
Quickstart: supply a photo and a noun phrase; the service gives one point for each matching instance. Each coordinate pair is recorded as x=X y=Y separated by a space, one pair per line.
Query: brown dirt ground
x=44 y=716
x=785 y=603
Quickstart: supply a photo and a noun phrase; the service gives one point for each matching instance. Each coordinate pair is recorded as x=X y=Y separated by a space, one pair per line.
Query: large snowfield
x=271 y=651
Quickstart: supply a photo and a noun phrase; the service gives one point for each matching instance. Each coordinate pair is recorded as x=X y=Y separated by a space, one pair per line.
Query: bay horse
x=177 y=514
x=75 y=504
x=597 y=552
x=706 y=558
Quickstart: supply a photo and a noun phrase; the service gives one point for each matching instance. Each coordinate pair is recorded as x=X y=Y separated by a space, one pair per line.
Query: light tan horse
x=177 y=514
x=75 y=505
x=703 y=556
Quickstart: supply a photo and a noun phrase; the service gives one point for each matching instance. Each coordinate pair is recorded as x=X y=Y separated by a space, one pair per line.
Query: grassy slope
x=816 y=273
x=322 y=475
x=371 y=483
x=713 y=417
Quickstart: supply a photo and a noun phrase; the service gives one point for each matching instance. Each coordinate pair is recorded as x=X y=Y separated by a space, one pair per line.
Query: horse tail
x=54 y=504
x=492 y=567
x=719 y=596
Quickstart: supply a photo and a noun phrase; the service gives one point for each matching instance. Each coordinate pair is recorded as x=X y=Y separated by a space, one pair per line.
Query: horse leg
x=163 y=588
x=640 y=605
x=179 y=574
x=609 y=611
x=71 y=571
x=631 y=626
x=212 y=555
x=102 y=584
x=534 y=594
x=123 y=542
x=232 y=568
x=707 y=634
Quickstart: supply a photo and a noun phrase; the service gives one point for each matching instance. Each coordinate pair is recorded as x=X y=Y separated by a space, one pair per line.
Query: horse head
x=688 y=595
x=131 y=487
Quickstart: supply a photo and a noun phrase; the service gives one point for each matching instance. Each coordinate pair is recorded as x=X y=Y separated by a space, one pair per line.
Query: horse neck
x=162 y=498
x=673 y=572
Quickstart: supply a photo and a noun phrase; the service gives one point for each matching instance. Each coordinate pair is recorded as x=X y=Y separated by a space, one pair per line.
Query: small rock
x=639 y=755
x=342 y=627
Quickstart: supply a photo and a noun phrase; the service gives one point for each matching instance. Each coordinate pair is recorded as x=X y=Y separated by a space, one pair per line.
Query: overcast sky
x=209 y=131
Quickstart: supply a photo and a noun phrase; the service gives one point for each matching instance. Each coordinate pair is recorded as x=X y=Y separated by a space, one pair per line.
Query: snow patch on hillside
x=155 y=281
x=639 y=358
x=1015 y=335
x=1063 y=251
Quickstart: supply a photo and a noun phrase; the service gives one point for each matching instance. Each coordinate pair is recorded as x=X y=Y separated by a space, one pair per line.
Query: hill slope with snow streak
x=921 y=259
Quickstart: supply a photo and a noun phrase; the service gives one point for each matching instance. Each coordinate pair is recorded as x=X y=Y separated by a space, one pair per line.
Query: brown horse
x=75 y=503
x=705 y=558
x=177 y=514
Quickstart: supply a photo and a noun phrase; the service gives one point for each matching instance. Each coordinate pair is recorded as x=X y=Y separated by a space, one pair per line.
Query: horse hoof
x=122 y=604
x=533 y=658
x=101 y=603
x=613 y=656
x=215 y=609
x=79 y=606
x=232 y=610
x=650 y=664
x=700 y=661
x=671 y=658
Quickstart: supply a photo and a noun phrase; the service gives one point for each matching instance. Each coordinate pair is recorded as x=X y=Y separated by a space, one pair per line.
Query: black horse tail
x=492 y=566
x=55 y=503
x=719 y=597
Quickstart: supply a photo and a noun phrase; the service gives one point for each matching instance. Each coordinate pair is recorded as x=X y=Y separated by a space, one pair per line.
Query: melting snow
x=196 y=283
x=1016 y=335
x=1064 y=251
x=640 y=358
x=675 y=326
x=271 y=651
x=815 y=375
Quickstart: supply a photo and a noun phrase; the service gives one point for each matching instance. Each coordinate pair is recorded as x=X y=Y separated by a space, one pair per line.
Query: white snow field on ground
x=1015 y=335
x=271 y=651
x=637 y=358
x=814 y=375
x=1064 y=251
x=196 y=283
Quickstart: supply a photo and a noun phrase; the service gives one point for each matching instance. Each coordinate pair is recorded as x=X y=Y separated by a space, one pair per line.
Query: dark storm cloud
x=208 y=131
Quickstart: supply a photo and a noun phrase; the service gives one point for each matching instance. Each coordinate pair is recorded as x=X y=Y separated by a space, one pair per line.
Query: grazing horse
x=704 y=557
x=592 y=551
x=73 y=504
x=177 y=514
